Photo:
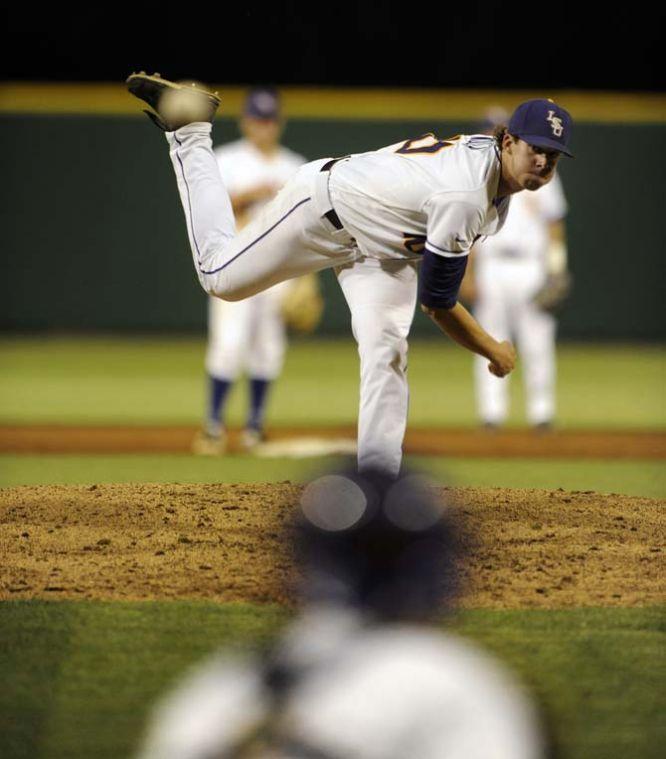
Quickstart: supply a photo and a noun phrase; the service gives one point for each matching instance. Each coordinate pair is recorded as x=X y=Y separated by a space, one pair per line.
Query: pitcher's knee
x=219 y=287
x=230 y=294
x=382 y=348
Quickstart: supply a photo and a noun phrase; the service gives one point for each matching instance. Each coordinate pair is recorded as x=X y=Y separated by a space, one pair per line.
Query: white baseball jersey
x=393 y=203
x=244 y=167
x=525 y=235
x=384 y=692
x=440 y=193
x=510 y=268
x=250 y=335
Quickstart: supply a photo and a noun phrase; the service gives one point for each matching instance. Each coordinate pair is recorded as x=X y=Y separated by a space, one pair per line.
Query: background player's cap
x=542 y=123
x=262 y=103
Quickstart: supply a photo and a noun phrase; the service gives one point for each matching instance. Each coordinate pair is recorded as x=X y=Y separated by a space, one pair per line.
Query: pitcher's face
x=525 y=166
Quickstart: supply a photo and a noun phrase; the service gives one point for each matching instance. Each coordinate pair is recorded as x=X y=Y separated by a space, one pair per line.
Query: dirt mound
x=224 y=542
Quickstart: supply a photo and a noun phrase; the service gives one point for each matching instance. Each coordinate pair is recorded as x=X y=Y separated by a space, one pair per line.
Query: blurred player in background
x=515 y=279
x=250 y=335
x=361 y=673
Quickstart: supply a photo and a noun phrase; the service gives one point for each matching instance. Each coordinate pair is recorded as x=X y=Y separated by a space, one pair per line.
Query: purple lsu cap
x=262 y=103
x=542 y=123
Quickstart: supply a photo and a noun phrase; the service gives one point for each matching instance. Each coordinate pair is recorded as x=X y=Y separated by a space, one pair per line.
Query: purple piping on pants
x=194 y=237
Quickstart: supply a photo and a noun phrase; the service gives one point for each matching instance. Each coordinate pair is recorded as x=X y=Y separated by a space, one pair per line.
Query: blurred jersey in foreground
x=361 y=672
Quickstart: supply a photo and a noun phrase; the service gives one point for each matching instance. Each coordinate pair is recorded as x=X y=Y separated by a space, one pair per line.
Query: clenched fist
x=503 y=360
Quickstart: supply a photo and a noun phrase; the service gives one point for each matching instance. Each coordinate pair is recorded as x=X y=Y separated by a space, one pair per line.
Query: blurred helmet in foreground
x=387 y=547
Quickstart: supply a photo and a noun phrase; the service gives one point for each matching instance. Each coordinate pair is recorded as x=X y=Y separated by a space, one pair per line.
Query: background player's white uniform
x=378 y=692
x=249 y=336
x=509 y=269
x=391 y=202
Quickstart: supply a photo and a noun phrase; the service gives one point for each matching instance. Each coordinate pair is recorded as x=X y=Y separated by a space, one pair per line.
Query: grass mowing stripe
x=161 y=381
x=34 y=643
x=70 y=470
x=82 y=675
x=644 y=478
x=599 y=673
x=629 y=477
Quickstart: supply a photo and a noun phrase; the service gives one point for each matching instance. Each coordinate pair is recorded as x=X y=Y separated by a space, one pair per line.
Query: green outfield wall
x=93 y=235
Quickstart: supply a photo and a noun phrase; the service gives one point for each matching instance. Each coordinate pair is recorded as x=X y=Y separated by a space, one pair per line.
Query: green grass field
x=161 y=381
x=646 y=478
x=79 y=677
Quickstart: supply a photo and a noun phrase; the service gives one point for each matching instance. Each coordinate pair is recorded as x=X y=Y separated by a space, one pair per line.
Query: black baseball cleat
x=151 y=87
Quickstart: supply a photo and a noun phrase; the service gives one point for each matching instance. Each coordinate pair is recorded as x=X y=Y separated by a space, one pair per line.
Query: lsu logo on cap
x=542 y=123
x=555 y=123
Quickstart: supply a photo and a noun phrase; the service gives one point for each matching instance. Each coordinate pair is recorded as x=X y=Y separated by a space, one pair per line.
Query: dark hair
x=498 y=133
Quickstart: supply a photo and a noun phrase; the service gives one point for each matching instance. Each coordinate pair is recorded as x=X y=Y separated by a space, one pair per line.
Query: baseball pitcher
x=374 y=217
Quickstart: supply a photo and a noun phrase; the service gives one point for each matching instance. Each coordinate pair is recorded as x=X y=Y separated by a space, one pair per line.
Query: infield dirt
x=524 y=548
x=620 y=444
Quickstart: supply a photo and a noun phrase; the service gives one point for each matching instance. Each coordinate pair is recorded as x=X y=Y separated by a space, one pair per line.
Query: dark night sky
x=365 y=43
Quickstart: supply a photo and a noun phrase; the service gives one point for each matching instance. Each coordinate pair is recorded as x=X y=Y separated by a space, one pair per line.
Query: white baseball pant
x=287 y=238
x=247 y=336
x=381 y=296
x=291 y=237
x=505 y=309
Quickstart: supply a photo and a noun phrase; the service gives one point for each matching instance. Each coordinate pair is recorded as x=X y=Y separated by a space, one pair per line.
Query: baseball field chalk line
x=304 y=447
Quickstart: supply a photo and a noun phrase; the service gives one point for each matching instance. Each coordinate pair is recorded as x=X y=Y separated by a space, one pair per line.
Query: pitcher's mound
x=226 y=543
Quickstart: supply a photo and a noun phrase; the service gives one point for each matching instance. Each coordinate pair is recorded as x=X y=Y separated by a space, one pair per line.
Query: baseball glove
x=554 y=291
x=303 y=305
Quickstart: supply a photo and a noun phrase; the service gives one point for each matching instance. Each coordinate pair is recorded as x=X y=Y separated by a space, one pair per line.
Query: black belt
x=330 y=164
x=334 y=219
x=331 y=215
